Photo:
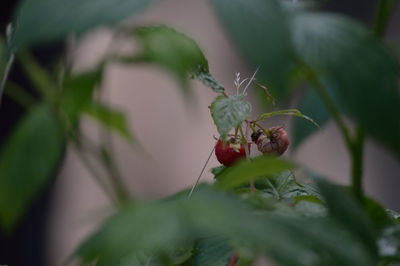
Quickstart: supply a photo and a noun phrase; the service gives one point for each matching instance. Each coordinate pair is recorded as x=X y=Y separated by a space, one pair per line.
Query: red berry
x=229 y=153
x=277 y=143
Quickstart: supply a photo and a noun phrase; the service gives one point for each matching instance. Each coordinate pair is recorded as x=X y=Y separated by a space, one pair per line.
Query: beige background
x=179 y=137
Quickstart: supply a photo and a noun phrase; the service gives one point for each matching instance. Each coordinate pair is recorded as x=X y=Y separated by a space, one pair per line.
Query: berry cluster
x=273 y=141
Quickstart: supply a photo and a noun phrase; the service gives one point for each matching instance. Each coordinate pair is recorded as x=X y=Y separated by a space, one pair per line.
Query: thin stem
x=236 y=132
x=19 y=95
x=93 y=170
x=38 y=75
x=5 y=75
x=246 y=150
x=383 y=12
x=253 y=129
x=232 y=261
x=332 y=109
x=260 y=127
x=201 y=172
x=115 y=176
x=357 y=163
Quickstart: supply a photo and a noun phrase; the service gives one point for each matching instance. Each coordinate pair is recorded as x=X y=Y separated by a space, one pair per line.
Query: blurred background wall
x=178 y=137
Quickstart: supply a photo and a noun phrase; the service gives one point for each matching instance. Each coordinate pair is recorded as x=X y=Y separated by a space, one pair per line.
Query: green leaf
x=393 y=215
x=110 y=118
x=27 y=161
x=174 y=51
x=377 y=213
x=245 y=171
x=358 y=72
x=310 y=208
x=229 y=112
x=216 y=171
x=310 y=104
x=291 y=112
x=347 y=210
x=205 y=77
x=41 y=21
x=77 y=94
x=283 y=186
x=389 y=244
x=211 y=251
x=155 y=227
x=260 y=29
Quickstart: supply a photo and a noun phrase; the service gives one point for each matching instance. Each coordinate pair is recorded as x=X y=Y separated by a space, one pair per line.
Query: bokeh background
x=177 y=137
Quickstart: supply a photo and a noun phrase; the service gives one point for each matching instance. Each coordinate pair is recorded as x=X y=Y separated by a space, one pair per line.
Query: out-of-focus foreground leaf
x=77 y=94
x=345 y=57
x=211 y=251
x=356 y=69
x=344 y=208
x=154 y=228
x=175 y=52
x=261 y=29
x=41 y=21
x=245 y=171
x=310 y=105
x=111 y=119
x=27 y=160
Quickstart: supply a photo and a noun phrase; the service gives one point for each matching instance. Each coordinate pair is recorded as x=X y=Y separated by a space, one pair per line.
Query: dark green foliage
x=245 y=171
x=360 y=74
x=112 y=119
x=175 y=52
x=27 y=161
x=40 y=21
x=261 y=29
x=310 y=105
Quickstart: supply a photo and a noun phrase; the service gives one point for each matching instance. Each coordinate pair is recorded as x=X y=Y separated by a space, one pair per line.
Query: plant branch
x=201 y=172
x=330 y=104
x=246 y=150
x=93 y=170
x=357 y=163
x=383 y=12
x=19 y=95
x=5 y=75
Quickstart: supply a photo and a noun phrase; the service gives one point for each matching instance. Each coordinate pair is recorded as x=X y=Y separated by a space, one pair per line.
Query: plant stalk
x=330 y=104
x=357 y=163
x=246 y=149
x=383 y=12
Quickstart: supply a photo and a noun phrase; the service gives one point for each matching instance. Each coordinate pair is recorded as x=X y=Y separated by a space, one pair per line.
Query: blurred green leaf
x=261 y=29
x=229 y=112
x=216 y=171
x=377 y=213
x=245 y=171
x=310 y=208
x=205 y=77
x=28 y=159
x=393 y=215
x=155 y=227
x=77 y=94
x=174 y=51
x=211 y=251
x=41 y=21
x=389 y=245
x=110 y=118
x=283 y=186
x=356 y=69
x=310 y=104
x=347 y=210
